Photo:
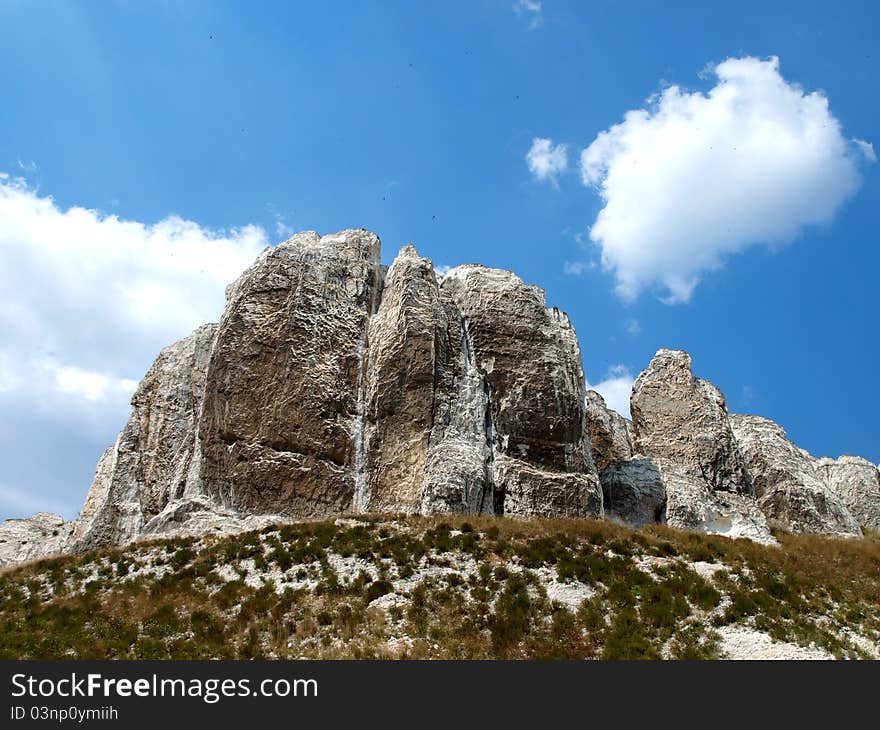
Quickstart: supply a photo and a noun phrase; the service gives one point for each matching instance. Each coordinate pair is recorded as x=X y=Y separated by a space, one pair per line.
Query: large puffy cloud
x=86 y=302
x=699 y=176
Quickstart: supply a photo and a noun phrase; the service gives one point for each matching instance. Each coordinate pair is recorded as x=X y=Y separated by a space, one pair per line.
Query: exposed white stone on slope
x=34 y=537
x=856 y=482
x=194 y=516
x=740 y=642
x=789 y=489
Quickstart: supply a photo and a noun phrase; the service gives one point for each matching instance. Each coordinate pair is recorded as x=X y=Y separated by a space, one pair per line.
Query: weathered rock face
x=407 y=349
x=454 y=373
x=681 y=423
x=283 y=419
x=690 y=505
x=460 y=464
x=856 y=482
x=681 y=419
x=332 y=386
x=608 y=432
x=156 y=458
x=529 y=358
x=39 y=536
x=790 y=491
x=633 y=492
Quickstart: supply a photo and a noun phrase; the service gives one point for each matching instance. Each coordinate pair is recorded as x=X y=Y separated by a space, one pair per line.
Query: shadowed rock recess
x=333 y=385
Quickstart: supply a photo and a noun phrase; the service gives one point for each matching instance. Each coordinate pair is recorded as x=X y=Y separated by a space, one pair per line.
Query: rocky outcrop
x=474 y=393
x=460 y=461
x=790 y=491
x=529 y=359
x=680 y=419
x=856 y=482
x=691 y=505
x=193 y=516
x=283 y=420
x=681 y=423
x=332 y=385
x=39 y=536
x=157 y=457
x=633 y=492
x=608 y=432
x=407 y=350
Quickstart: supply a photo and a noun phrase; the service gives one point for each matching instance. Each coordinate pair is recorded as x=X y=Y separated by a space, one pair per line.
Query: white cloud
x=696 y=177
x=633 y=327
x=531 y=10
x=576 y=268
x=442 y=270
x=867 y=149
x=87 y=300
x=545 y=160
x=616 y=389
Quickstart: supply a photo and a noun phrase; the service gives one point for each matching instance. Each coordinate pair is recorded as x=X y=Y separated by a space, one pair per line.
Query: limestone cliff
x=332 y=385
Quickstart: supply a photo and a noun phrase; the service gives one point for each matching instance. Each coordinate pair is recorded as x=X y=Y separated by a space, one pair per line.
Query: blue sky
x=207 y=129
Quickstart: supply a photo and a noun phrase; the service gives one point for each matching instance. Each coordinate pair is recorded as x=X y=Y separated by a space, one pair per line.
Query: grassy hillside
x=455 y=588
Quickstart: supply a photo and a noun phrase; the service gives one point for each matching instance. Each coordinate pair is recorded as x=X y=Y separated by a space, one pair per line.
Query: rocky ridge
x=333 y=385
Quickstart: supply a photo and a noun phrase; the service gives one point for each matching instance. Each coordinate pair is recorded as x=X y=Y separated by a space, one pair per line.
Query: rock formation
x=407 y=350
x=33 y=537
x=789 y=490
x=157 y=457
x=856 y=482
x=282 y=422
x=332 y=385
x=609 y=432
x=681 y=423
x=633 y=492
x=530 y=363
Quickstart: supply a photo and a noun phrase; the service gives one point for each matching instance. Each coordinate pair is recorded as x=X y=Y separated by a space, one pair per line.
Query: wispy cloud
x=532 y=11
x=633 y=327
x=577 y=268
x=867 y=149
x=546 y=161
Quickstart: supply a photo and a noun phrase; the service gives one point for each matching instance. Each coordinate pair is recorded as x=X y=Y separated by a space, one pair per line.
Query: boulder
x=633 y=492
x=790 y=491
x=196 y=516
x=856 y=482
